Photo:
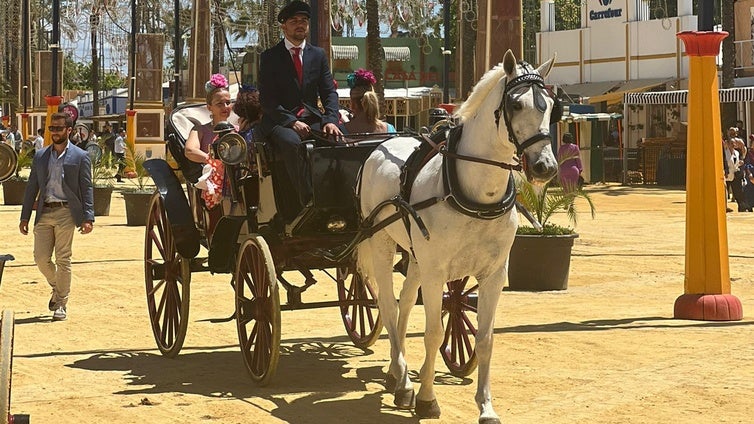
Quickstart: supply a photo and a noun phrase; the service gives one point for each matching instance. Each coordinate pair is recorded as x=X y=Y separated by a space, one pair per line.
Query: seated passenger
x=249 y=111
x=365 y=105
x=201 y=137
x=220 y=106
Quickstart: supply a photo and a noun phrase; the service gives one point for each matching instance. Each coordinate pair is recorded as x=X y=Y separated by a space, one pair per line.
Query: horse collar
x=455 y=196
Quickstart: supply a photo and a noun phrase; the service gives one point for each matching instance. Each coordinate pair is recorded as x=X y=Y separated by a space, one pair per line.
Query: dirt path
x=605 y=351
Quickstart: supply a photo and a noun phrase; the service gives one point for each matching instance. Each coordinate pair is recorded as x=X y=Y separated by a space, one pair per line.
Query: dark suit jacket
x=280 y=93
x=77 y=184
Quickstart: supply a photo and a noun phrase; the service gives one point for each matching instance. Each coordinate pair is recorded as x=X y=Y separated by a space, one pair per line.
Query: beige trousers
x=54 y=232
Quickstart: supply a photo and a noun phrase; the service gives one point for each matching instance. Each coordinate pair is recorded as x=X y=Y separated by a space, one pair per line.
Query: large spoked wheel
x=459 y=309
x=258 y=310
x=358 y=308
x=6 y=363
x=167 y=279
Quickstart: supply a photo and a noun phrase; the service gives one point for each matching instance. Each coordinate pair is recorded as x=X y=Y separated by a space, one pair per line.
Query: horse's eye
x=517 y=106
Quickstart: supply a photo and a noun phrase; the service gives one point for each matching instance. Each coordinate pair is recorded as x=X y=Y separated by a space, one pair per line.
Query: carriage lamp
x=231 y=149
x=336 y=224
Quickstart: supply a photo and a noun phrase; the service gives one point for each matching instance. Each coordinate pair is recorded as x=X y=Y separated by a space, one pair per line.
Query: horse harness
x=445 y=142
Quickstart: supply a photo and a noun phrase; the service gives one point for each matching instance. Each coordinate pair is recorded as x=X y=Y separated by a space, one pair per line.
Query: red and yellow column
x=53 y=105
x=707 y=281
x=130 y=140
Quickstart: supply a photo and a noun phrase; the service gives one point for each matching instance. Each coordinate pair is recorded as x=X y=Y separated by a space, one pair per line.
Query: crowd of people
x=738 y=165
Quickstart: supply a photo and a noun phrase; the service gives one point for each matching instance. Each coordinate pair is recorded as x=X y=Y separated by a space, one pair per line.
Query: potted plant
x=540 y=258
x=102 y=179
x=15 y=187
x=137 y=199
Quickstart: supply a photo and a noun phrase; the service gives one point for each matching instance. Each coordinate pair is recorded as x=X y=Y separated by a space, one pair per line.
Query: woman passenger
x=365 y=105
x=220 y=106
x=201 y=137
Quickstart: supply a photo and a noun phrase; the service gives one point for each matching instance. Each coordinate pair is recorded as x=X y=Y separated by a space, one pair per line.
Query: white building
x=618 y=49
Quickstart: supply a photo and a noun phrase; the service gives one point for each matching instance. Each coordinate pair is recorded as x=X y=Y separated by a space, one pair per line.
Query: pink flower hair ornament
x=215 y=81
x=361 y=77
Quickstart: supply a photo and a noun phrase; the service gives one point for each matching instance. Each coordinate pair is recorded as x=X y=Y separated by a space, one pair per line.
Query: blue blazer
x=281 y=95
x=77 y=184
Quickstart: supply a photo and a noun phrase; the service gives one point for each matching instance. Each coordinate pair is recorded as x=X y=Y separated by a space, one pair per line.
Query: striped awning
x=727 y=95
x=345 y=52
x=582 y=117
x=397 y=54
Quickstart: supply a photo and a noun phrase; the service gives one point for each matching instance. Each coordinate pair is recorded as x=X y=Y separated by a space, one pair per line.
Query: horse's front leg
x=426 y=401
x=408 y=296
x=378 y=253
x=489 y=294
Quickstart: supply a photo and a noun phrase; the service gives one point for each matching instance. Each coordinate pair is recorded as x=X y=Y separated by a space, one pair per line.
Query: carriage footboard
x=179 y=213
x=222 y=251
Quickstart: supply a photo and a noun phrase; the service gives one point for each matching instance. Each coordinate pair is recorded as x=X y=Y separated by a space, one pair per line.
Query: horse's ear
x=509 y=62
x=545 y=68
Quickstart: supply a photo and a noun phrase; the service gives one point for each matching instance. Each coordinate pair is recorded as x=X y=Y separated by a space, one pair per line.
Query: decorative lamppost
x=707 y=274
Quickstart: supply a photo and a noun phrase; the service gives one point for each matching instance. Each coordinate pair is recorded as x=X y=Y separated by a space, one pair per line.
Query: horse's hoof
x=489 y=420
x=427 y=409
x=405 y=399
x=390 y=382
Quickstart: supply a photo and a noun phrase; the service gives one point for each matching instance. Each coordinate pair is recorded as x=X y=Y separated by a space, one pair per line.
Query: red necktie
x=297 y=64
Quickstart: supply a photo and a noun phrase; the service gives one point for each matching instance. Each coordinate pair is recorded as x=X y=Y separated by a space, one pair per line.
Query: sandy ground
x=607 y=350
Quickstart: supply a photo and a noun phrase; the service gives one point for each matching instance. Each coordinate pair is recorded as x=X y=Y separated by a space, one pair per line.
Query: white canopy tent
x=726 y=95
x=584 y=134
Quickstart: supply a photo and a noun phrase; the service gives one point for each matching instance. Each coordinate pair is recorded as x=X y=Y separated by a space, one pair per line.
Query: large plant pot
x=13 y=192
x=102 y=197
x=540 y=263
x=137 y=207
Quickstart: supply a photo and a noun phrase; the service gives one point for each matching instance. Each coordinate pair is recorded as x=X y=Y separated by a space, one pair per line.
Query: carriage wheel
x=258 y=310
x=362 y=320
x=458 y=306
x=6 y=363
x=167 y=279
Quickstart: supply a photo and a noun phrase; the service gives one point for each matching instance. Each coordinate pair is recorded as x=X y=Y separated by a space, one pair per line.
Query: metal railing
x=744 y=65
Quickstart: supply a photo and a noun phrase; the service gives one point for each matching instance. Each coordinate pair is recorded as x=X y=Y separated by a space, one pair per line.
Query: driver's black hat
x=294 y=8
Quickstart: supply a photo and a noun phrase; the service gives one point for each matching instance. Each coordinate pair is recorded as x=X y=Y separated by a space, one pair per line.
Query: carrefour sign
x=603 y=13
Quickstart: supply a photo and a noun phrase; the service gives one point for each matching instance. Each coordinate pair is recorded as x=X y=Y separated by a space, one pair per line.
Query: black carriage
x=250 y=238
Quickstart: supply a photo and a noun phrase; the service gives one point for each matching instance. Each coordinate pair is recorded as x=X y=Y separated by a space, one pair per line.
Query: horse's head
x=525 y=113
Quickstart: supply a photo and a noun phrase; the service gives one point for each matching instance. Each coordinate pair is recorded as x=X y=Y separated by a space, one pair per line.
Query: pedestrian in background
x=60 y=184
x=39 y=141
x=570 y=167
x=119 y=148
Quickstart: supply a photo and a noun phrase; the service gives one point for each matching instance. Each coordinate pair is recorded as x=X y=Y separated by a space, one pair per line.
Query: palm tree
x=728 y=110
x=374 y=48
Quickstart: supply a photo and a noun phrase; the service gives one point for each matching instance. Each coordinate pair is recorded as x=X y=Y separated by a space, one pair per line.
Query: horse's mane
x=480 y=92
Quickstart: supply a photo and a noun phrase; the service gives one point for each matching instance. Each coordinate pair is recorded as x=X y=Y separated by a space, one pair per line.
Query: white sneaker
x=60 y=314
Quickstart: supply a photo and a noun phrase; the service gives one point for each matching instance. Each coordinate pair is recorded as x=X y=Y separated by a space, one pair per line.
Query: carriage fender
x=176 y=206
x=222 y=250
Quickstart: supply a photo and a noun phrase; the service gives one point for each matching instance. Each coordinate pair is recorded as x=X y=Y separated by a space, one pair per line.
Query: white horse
x=471 y=227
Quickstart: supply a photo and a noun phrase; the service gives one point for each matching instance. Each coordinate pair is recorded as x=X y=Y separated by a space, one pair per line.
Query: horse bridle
x=538 y=84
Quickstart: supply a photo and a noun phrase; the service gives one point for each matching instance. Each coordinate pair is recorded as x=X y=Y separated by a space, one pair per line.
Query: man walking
x=39 y=141
x=119 y=147
x=61 y=185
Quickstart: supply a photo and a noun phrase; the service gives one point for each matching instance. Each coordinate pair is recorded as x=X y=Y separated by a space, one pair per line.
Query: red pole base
x=708 y=307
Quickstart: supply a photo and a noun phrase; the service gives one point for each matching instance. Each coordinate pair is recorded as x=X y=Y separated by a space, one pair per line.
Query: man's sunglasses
x=56 y=128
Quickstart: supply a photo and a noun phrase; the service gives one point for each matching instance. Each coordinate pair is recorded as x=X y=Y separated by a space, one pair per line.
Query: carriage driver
x=293 y=75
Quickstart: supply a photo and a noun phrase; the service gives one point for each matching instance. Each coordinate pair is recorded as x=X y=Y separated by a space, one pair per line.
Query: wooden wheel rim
x=6 y=363
x=361 y=325
x=258 y=310
x=458 y=345
x=167 y=278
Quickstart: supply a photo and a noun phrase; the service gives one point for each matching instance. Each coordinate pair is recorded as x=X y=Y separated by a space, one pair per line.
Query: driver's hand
x=301 y=129
x=332 y=129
